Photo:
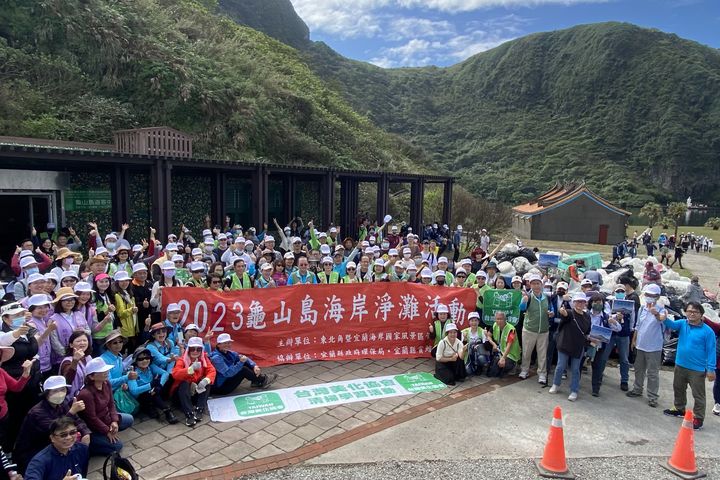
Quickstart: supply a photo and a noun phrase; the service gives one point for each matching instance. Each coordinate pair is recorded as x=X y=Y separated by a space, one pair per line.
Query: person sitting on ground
x=571 y=340
x=477 y=348
x=232 y=368
x=119 y=375
x=449 y=355
x=193 y=374
x=35 y=428
x=63 y=458
x=505 y=346
x=100 y=413
x=148 y=385
x=164 y=352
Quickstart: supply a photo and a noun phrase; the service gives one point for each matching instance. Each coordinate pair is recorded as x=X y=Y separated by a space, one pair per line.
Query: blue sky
x=398 y=33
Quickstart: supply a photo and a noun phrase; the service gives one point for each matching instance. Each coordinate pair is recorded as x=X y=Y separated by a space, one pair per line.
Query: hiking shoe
x=564 y=376
x=270 y=379
x=190 y=420
x=716 y=409
x=624 y=386
x=652 y=403
x=697 y=424
x=542 y=378
x=573 y=396
x=553 y=389
x=198 y=413
x=673 y=412
x=523 y=375
x=170 y=417
x=595 y=393
x=634 y=393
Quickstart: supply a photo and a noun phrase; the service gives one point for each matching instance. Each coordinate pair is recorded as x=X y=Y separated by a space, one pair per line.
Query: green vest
x=481 y=291
x=334 y=277
x=536 y=316
x=466 y=336
x=439 y=333
x=514 y=353
x=297 y=279
x=470 y=281
x=346 y=279
x=237 y=285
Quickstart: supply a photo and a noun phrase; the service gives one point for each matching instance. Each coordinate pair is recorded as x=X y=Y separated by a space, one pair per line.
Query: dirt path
x=705 y=267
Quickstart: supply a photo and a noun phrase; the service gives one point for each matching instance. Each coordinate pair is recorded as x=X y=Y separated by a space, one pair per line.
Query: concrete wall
x=577 y=221
x=521 y=226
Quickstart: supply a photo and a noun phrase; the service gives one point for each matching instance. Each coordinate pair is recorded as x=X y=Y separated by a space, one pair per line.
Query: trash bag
x=669 y=351
x=529 y=254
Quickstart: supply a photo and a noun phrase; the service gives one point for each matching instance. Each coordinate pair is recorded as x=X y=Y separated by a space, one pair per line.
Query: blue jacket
x=228 y=365
x=174 y=332
x=145 y=378
x=49 y=464
x=696 y=345
x=161 y=354
x=117 y=375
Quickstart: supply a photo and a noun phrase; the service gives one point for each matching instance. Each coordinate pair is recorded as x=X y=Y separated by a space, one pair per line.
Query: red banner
x=303 y=323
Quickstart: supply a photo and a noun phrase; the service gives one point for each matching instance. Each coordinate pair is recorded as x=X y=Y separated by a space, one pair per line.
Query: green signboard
x=507 y=301
x=87 y=200
x=259 y=404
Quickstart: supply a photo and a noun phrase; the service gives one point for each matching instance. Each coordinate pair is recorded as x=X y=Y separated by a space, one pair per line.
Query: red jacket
x=180 y=372
x=8 y=383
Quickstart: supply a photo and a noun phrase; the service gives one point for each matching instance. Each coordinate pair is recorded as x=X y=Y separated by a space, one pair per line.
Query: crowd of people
x=666 y=247
x=88 y=341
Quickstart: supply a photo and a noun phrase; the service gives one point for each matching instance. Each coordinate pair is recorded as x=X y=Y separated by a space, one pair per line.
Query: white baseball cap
x=197 y=267
x=651 y=289
x=426 y=273
x=325 y=249
x=333 y=230
x=68 y=274
x=269 y=238
x=380 y=262
x=54 y=382
x=516 y=278
x=534 y=278
x=586 y=281
x=171 y=247
x=289 y=255
x=101 y=250
x=442 y=308
x=192 y=326
x=266 y=266
x=11 y=309
x=195 y=342
x=327 y=260
x=472 y=315
x=579 y=297
x=177 y=258
x=173 y=307
x=351 y=265
x=562 y=285
x=224 y=337
x=196 y=251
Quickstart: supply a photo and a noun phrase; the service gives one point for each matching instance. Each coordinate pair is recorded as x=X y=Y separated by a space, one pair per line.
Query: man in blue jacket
x=232 y=368
x=694 y=362
x=63 y=458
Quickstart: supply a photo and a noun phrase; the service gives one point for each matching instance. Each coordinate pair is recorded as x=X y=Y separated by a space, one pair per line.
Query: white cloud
x=412 y=27
x=455 y=6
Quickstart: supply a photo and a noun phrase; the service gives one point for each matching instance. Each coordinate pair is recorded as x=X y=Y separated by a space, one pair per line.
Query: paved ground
x=479 y=421
x=705 y=267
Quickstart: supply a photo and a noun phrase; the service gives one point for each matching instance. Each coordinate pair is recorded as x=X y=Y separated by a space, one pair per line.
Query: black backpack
x=120 y=468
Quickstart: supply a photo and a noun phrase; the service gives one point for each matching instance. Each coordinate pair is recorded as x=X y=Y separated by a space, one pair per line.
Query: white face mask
x=56 y=398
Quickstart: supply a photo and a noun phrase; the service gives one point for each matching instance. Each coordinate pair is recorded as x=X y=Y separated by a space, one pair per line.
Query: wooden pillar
x=327 y=196
x=417 y=199
x=260 y=196
x=447 y=202
x=383 y=191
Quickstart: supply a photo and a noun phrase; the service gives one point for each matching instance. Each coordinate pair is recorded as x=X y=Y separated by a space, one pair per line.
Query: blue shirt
x=145 y=377
x=228 y=365
x=117 y=376
x=696 y=345
x=49 y=464
x=649 y=330
x=175 y=331
x=161 y=354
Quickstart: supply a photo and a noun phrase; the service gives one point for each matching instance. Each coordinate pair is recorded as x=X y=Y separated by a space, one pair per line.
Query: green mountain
x=275 y=18
x=634 y=112
x=79 y=69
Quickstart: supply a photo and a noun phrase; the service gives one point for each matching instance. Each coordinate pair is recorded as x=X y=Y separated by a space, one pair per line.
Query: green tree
x=652 y=211
x=675 y=211
x=713 y=223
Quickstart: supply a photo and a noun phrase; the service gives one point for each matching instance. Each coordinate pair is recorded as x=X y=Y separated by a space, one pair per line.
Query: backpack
x=120 y=468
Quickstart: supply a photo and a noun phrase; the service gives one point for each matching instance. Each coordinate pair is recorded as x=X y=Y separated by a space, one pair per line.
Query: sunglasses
x=143 y=359
x=69 y=433
x=215 y=282
x=195 y=349
x=351 y=269
x=116 y=342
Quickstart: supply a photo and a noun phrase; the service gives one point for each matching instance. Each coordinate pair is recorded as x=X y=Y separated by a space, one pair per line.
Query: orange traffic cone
x=682 y=461
x=553 y=463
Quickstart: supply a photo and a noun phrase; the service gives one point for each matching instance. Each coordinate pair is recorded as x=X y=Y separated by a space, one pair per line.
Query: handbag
x=120 y=468
x=125 y=403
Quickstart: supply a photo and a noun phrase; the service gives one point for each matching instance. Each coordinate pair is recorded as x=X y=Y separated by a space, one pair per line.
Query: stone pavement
x=159 y=450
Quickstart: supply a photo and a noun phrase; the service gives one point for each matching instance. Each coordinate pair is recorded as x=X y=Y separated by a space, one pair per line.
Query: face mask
x=208 y=248
x=68 y=261
x=110 y=245
x=406 y=255
x=650 y=300
x=17 y=322
x=32 y=270
x=548 y=290
x=385 y=245
x=249 y=249
x=56 y=398
x=619 y=295
x=596 y=307
x=169 y=273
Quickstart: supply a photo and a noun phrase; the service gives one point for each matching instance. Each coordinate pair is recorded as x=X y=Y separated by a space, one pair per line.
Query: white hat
x=516 y=278
x=333 y=230
x=11 y=309
x=619 y=287
x=38 y=300
x=177 y=258
x=339 y=247
x=120 y=276
x=412 y=268
x=111 y=235
x=450 y=326
x=387 y=219
x=579 y=297
x=372 y=238
x=322 y=235
x=266 y=266
x=56 y=381
x=400 y=264
x=100 y=250
x=460 y=270
x=442 y=308
x=139 y=267
x=380 y=262
x=173 y=307
x=207 y=232
x=394 y=228
x=196 y=251
x=465 y=261
x=222 y=236
x=82 y=287
x=197 y=267
x=562 y=285
x=548 y=283
x=586 y=281
x=327 y=260
x=442 y=260
x=325 y=249
x=195 y=342
x=238 y=240
x=172 y=237
x=192 y=326
x=407 y=250
x=296 y=240
x=269 y=238
x=26 y=253
x=289 y=255
x=167 y=265
x=459 y=227
x=52 y=276
x=651 y=289
x=224 y=337
x=137 y=248
x=351 y=265
x=171 y=247
x=68 y=274
x=393 y=251
x=35 y=277
x=27 y=261
x=534 y=278
x=286 y=229
x=426 y=273
x=439 y=274
x=97 y=365
x=472 y=315
x=364 y=244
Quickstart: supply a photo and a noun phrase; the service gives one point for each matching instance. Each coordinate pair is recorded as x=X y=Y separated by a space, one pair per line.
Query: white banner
x=286 y=400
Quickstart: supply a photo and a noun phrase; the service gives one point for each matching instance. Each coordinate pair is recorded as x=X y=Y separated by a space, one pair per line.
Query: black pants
x=496 y=371
x=230 y=384
x=187 y=401
x=450 y=372
x=148 y=401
